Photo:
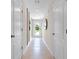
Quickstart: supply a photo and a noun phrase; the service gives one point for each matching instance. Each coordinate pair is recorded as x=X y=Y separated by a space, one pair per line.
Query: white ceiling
x=17 y=3
x=38 y=10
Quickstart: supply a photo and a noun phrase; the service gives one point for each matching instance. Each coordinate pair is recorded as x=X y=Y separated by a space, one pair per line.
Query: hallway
x=38 y=29
x=37 y=50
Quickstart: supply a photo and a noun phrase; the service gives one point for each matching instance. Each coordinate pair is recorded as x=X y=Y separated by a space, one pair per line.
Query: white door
x=16 y=32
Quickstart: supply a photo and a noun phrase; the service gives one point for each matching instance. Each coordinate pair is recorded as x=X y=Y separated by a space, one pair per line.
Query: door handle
x=12 y=36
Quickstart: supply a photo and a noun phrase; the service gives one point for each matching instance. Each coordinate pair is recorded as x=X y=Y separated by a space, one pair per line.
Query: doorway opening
x=36 y=31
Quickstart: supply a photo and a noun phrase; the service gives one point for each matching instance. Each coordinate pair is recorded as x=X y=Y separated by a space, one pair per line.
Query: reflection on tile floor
x=37 y=50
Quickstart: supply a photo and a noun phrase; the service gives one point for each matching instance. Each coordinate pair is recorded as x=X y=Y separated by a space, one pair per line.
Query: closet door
x=59 y=29
x=12 y=31
x=16 y=29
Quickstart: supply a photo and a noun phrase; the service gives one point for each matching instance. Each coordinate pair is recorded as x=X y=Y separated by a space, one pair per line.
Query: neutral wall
x=55 y=35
